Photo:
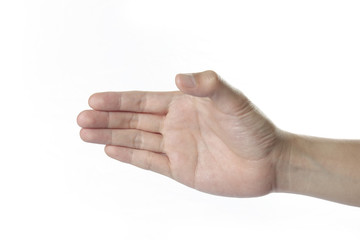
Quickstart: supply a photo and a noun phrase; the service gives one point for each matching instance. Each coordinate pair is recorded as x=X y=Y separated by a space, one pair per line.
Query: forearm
x=319 y=167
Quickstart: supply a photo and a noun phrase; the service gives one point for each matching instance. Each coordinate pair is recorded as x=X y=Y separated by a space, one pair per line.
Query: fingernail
x=188 y=80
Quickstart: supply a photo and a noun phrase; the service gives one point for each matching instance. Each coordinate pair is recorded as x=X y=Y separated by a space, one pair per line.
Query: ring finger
x=130 y=138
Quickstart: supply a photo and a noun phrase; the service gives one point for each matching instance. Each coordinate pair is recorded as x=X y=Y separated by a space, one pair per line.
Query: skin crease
x=229 y=151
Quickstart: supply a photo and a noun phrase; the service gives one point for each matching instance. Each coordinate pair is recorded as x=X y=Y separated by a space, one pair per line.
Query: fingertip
x=83 y=134
x=91 y=99
x=177 y=81
x=91 y=136
x=79 y=119
x=116 y=153
x=95 y=101
x=107 y=150
x=186 y=81
x=84 y=119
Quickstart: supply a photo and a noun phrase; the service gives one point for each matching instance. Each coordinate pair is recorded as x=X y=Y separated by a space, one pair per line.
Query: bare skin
x=208 y=136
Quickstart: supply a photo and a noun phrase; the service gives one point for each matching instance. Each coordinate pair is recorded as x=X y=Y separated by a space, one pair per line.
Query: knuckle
x=210 y=81
x=138 y=140
x=131 y=159
x=211 y=75
x=134 y=120
x=148 y=164
x=143 y=102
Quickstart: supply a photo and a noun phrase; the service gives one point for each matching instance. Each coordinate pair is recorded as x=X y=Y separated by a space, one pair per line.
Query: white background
x=298 y=61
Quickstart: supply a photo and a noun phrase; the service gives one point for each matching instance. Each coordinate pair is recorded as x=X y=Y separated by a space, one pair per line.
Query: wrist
x=318 y=167
x=285 y=157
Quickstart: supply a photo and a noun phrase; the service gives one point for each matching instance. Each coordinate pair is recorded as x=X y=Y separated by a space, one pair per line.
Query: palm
x=200 y=142
x=224 y=152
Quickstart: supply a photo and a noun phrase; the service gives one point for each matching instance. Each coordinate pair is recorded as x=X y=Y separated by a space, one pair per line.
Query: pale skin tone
x=210 y=137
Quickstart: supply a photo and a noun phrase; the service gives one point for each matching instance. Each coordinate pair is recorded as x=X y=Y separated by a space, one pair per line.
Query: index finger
x=134 y=101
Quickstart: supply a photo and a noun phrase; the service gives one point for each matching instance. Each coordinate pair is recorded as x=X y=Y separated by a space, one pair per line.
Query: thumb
x=209 y=84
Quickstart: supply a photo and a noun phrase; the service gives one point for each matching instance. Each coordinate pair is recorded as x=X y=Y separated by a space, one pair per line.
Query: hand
x=209 y=136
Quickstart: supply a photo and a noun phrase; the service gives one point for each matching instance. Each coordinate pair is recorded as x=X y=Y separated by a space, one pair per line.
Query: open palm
x=208 y=136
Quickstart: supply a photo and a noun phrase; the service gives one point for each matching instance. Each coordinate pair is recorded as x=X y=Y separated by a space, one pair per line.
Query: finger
x=209 y=84
x=144 y=159
x=145 y=102
x=121 y=120
x=125 y=138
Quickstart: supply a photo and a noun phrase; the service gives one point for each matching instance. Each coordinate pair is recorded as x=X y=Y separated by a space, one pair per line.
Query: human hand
x=209 y=136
